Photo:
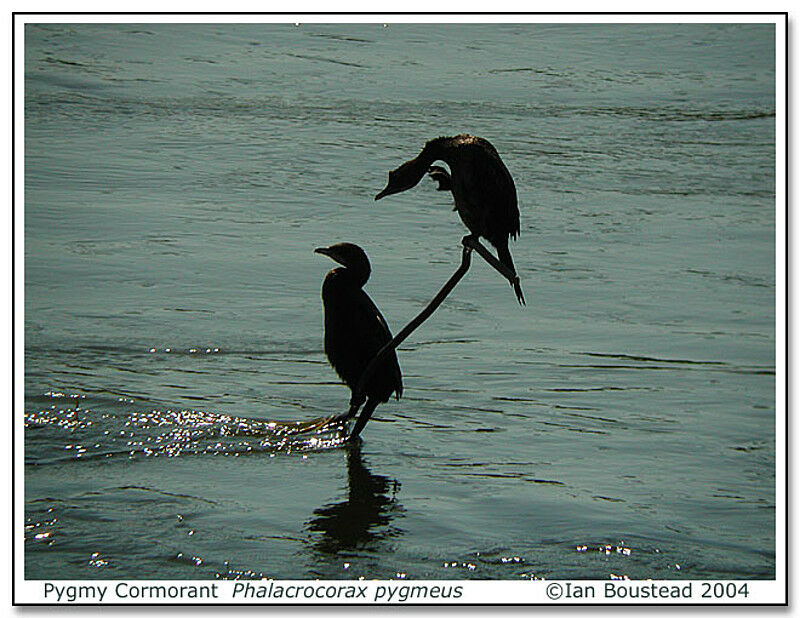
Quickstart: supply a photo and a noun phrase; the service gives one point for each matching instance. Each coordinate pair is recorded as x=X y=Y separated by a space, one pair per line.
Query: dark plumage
x=355 y=330
x=483 y=190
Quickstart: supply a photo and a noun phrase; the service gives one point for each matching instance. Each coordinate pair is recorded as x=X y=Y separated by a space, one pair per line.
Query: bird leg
x=366 y=413
x=355 y=404
x=473 y=242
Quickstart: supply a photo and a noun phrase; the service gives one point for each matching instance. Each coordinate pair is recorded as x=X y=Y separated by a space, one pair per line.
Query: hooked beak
x=329 y=252
x=383 y=193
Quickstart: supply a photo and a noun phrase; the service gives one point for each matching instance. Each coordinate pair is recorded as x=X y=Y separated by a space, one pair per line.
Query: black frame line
x=14 y=15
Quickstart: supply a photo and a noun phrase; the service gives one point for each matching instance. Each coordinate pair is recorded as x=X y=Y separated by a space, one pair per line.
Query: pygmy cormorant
x=355 y=331
x=483 y=190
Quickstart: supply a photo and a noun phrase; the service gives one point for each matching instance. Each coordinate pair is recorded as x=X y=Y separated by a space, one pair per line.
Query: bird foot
x=440 y=175
x=473 y=242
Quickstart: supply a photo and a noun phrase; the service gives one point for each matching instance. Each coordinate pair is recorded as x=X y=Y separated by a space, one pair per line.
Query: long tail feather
x=504 y=255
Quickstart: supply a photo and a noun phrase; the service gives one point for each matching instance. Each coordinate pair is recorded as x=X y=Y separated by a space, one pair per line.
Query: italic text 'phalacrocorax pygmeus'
x=355 y=331
x=483 y=190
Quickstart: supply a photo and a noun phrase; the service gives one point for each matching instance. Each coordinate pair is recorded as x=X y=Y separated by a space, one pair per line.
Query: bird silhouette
x=355 y=331
x=483 y=190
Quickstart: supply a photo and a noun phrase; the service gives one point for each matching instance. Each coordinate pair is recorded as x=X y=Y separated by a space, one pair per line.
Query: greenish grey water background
x=178 y=178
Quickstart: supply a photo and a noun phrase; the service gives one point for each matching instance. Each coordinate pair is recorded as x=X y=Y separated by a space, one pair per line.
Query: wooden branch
x=358 y=396
x=469 y=243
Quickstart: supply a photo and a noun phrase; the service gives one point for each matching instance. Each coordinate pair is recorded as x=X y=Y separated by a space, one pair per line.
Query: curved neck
x=436 y=150
x=356 y=275
x=414 y=170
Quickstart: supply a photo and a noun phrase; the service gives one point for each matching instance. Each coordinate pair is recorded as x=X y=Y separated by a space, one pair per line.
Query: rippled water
x=178 y=179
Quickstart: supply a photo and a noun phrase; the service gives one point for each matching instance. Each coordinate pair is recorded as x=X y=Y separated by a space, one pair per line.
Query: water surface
x=178 y=178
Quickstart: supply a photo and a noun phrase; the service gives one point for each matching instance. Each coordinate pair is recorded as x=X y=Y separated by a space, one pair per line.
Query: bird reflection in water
x=364 y=519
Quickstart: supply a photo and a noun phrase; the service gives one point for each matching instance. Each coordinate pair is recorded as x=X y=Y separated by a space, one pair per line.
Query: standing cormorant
x=355 y=331
x=483 y=190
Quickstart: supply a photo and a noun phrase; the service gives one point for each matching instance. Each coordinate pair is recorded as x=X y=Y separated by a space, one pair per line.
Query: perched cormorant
x=355 y=330
x=483 y=190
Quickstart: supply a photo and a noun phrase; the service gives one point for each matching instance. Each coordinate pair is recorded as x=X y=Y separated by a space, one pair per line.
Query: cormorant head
x=404 y=177
x=348 y=255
